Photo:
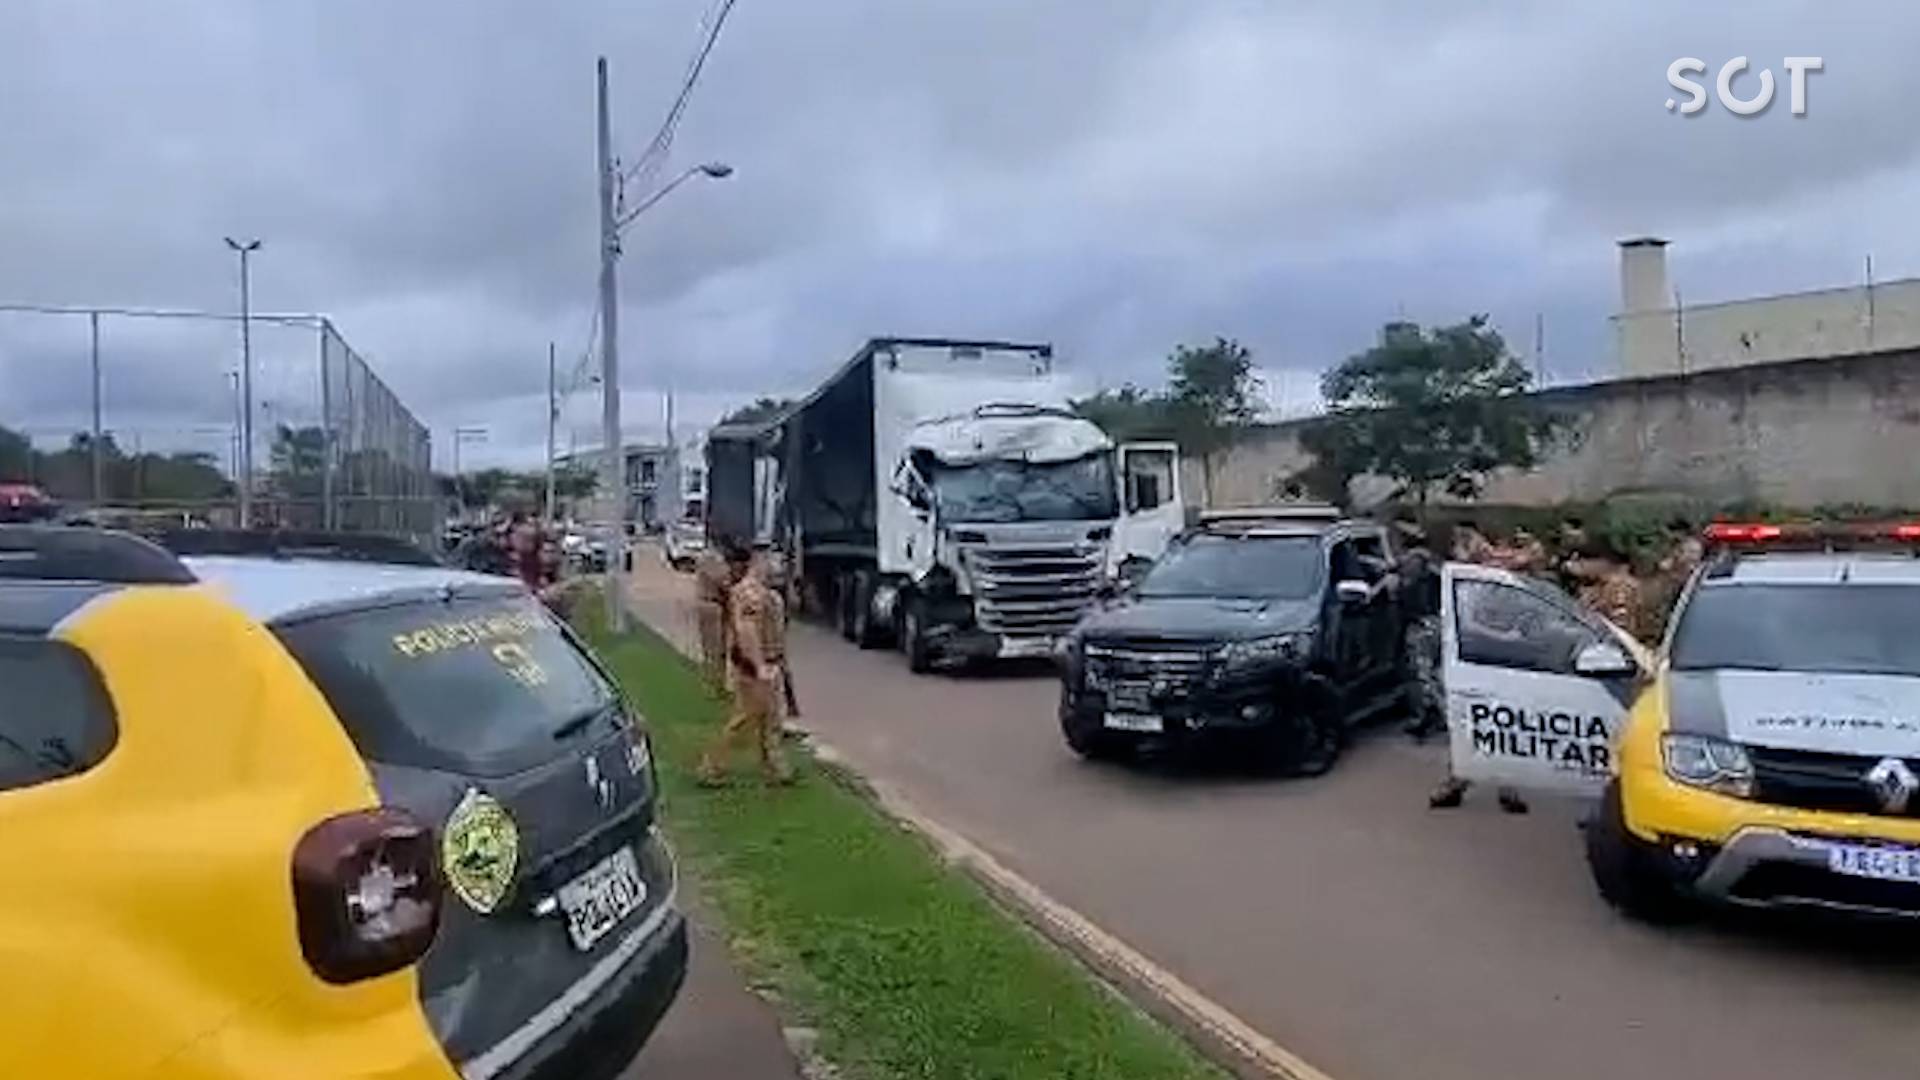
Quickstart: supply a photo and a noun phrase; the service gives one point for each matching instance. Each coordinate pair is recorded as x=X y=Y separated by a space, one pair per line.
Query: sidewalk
x=718 y=1029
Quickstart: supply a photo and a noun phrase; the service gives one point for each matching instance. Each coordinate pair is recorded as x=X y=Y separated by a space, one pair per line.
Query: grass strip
x=904 y=966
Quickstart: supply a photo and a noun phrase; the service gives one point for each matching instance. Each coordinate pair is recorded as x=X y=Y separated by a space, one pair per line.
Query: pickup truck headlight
x=1703 y=761
x=1260 y=652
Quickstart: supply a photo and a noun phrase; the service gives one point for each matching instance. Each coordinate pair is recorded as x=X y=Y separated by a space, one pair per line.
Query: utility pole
x=553 y=417
x=246 y=379
x=93 y=352
x=612 y=464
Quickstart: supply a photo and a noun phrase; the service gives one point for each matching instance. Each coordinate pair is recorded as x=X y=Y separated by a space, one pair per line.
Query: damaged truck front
x=940 y=495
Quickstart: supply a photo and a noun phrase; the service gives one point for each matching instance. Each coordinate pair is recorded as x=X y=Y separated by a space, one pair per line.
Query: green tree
x=764 y=408
x=1212 y=396
x=1128 y=412
x=1429 y=409
x=16 y=457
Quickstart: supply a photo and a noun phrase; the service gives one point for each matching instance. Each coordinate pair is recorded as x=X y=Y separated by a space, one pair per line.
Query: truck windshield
x=1860 y=629
x=1264 y=567
x=1002 y=491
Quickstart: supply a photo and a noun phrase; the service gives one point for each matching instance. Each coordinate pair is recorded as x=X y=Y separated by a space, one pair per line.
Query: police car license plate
x=1882 y=863
x=1134 y=722
x=596 y=901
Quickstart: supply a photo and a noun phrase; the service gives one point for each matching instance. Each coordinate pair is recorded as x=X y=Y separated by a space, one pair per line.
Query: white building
x=1656 y=337
x=650 y=479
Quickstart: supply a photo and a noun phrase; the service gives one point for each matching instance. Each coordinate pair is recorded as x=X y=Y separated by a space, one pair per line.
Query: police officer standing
x=713 y=576
x=757 y=622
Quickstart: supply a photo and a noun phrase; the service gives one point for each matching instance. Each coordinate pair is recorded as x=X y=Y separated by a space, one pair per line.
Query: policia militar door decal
x=1519 y=710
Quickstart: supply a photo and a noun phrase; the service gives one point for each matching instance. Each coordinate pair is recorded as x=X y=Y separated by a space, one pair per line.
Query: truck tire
x=843 y=604
x=913 y=634
x=1624 y=869
x=867 y=632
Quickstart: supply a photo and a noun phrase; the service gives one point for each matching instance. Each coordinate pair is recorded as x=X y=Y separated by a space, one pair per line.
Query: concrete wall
x=1837 y=429
x=1770 y=329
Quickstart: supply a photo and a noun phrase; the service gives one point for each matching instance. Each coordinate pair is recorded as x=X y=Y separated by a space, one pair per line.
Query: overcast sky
x=1116 y=176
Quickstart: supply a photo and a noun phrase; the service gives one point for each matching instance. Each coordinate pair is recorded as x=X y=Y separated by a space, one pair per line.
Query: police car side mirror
x=1353 y=592
x=1602 y=659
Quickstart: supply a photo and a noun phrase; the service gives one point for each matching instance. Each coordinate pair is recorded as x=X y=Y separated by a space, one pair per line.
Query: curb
x=1221 y=1037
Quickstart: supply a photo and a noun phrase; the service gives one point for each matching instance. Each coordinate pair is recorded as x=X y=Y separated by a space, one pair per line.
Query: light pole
x=613 y=461
x=553 y=417
x=246 y=249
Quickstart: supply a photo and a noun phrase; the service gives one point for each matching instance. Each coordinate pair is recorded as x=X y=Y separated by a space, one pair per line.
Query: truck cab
x=940 y=494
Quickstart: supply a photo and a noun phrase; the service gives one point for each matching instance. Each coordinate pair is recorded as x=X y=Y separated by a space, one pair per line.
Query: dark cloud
x=1115 y=176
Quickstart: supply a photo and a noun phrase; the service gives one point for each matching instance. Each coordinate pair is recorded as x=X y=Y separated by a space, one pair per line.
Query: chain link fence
x=132 y=416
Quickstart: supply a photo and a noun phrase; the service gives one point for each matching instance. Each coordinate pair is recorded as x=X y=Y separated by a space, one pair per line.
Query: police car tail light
x=366 y=893
x=1909 y=531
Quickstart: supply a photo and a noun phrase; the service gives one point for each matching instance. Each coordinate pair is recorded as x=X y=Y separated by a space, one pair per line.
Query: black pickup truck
x=1278 y=629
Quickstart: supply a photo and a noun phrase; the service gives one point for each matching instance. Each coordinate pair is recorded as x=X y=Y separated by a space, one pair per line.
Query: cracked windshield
x=959 y=540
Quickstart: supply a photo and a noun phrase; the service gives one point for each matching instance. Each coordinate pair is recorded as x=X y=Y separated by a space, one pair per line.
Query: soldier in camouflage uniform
x=758 y=624
x=713 y=576
x=1419 y=595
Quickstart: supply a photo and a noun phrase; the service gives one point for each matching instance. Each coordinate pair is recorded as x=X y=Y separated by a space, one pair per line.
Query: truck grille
x=1033 y=589
x=1817 y=781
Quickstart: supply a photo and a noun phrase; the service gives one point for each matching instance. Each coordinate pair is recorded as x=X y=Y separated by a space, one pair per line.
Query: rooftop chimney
x=1643 y=275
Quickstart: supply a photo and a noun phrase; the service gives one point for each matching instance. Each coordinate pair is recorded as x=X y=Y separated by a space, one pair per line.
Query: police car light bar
x=1819 y=534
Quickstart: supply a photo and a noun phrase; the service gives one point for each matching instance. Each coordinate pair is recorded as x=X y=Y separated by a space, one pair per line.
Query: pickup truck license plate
x=596 y=901
x=1882 y=863
x=1134 y=722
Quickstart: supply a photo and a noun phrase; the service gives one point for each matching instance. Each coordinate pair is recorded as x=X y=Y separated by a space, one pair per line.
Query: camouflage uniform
x=712 y=577
x=1611 y=591
x=758 y=622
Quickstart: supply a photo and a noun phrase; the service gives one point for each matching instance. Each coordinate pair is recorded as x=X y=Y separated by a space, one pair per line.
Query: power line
x=651 y=158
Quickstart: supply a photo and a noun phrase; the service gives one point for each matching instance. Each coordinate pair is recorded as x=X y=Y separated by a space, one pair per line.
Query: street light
x=712 y=170
x=246 y=249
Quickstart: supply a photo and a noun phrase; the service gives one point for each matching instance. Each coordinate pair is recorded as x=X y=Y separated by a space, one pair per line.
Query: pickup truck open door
x=1537 y=685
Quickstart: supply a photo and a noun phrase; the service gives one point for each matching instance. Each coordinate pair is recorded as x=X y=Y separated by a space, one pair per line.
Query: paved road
x=1375 y=938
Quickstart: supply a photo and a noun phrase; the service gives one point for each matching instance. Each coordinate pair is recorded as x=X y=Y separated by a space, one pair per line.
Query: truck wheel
x=866 y=631
x=843 y=604
x=1090 y=741
x=913 y=635
x=1624 y=869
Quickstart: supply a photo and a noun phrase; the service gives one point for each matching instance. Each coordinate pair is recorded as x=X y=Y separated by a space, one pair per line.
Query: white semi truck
x=939 y=494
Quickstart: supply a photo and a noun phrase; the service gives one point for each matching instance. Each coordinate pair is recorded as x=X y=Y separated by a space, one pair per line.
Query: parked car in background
x=1277 y=628
x=683 y=543
x=25 y=503
x=317 y=816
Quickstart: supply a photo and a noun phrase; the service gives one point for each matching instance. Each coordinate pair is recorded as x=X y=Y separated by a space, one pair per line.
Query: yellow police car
x=1769 y=756
x=286 y=813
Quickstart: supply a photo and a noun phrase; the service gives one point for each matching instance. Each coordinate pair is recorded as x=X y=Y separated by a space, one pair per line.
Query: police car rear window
x=55 y=717
x=478 y=686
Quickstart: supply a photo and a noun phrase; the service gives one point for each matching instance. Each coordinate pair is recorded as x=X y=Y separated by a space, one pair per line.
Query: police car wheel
x=1625 y=871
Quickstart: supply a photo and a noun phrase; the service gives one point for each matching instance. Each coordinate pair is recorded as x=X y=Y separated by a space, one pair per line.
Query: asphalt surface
x=1371 y=936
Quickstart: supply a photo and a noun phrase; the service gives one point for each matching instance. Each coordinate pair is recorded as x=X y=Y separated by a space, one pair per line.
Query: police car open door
x=1537 y=685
